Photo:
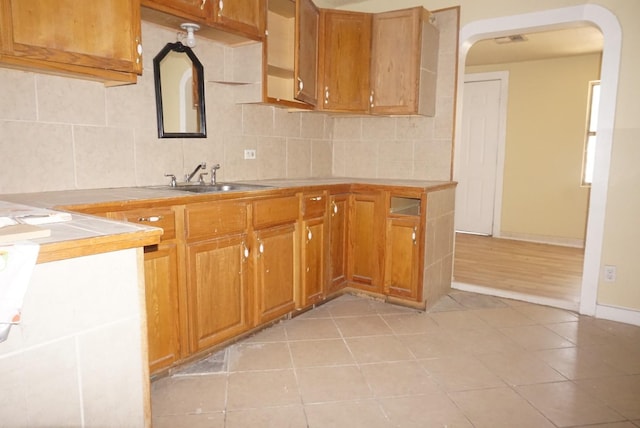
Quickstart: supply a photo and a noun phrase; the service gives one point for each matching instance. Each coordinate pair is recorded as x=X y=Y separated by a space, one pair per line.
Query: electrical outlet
x=610 y=273
x=249 y=154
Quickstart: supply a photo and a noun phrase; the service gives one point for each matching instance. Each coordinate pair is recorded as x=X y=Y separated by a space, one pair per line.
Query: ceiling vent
x=515 y=38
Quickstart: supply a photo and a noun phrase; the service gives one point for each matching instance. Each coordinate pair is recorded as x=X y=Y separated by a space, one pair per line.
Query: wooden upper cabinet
x=98 y=40
x=290 y=53
x=188 y=9
x=345 y=53
x=395 y=61
x=306 y=51
x=246 y=16
x=403 y=63
x=228 y=21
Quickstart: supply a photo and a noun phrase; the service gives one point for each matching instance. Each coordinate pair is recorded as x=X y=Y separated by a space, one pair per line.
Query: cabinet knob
x=245 y=251
x=202 y=4
x=300 y=85
x=309 y=235
x=261 y=248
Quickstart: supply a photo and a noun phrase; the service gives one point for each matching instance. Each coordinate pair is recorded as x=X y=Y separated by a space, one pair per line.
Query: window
x=590 y=136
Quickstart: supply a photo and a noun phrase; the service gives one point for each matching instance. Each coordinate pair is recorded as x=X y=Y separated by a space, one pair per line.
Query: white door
x=477 y=157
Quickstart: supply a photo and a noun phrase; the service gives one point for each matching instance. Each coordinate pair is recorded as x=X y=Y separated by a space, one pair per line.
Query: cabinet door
x=402 y=264
x=345 y=61
x=69 y=36
x=196 y=9
x=161 y=295
x=366 y=234
x=306 y=51
x=395 y=61
x=275 y=281
x=338 y=242
x=217 y=288
x=313 y=261
x=245 y=16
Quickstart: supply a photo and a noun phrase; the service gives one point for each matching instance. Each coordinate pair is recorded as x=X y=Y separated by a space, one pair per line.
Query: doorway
x=554 y=19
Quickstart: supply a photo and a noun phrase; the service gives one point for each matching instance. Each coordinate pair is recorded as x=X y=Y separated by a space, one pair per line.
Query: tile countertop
x=86 y=234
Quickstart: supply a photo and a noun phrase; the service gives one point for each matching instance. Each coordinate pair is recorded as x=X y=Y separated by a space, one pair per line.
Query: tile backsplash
x=59 y=133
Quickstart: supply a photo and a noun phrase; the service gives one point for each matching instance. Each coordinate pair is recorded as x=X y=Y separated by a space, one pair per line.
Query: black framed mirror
x=179 y=81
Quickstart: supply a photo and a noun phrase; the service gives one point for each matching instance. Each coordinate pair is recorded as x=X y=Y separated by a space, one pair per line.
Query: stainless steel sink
x=215 y=188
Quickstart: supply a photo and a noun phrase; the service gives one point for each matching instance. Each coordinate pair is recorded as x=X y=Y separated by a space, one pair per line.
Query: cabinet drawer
x=271 y=212
x=216 y=218
x=314 y=205
x=164 y=218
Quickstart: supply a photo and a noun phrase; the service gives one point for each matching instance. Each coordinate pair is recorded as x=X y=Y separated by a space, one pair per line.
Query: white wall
x=78 y=357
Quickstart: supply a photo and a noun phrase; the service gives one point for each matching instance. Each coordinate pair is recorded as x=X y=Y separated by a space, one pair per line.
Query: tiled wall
x=59 y=133
x=439 y=242
x=77 y=358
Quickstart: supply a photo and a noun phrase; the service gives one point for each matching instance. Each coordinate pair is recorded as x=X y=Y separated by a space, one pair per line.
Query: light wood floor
x=548 y=271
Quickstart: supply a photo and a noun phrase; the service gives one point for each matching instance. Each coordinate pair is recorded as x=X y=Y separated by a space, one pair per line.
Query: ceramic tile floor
x=471 y=361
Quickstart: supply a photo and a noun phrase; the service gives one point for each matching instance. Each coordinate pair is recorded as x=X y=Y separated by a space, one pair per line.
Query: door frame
x=552 y=19
x=503 y=77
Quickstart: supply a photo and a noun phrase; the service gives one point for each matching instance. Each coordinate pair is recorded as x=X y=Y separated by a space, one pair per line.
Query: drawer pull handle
x=414 y=235
x=335 y=207
x=151 y=219
x=316 y=198
x=309 y=235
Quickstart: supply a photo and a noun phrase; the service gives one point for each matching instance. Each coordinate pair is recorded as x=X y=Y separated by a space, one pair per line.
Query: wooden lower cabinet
x=338 y=242
x=226 y=266
x=217 y=279
x=275 y=276
x=313 y=261
x=161 y=298
x=165 y=307
x=402 y=262
x=366 y=229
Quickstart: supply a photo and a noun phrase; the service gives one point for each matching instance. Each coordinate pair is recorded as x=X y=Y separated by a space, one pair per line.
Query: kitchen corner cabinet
x=94 y=40
x=338 y=242
x=290 y=52
x=163 y=286
x=404 y=246
x=366 y=239
x=275 y=256
x=345 y=56
x=403 y=62
x=313 y=253
x=218 y=275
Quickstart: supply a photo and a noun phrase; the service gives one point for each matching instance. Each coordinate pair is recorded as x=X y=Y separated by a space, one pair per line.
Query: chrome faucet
x=188 y=178
x=214 y=169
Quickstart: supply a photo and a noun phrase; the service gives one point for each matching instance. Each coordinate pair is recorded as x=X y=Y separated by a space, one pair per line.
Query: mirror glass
x=179 y=80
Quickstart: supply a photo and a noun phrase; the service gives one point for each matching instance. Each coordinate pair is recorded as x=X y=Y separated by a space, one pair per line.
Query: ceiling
x=541 y=45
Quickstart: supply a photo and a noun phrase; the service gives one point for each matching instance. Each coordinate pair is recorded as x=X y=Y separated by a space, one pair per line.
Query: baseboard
x=613 y=313
x=541 y=239
x=546 y=301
